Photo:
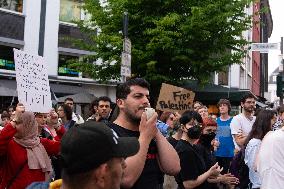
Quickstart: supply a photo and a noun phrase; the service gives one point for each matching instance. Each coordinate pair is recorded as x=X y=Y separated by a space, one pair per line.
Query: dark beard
x=133 y=119
x=250 y=110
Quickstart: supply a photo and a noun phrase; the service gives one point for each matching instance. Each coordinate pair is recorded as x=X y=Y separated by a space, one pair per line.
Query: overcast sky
x=277 y=11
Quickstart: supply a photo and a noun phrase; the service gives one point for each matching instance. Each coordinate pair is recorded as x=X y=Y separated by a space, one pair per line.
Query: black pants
x=225 y=163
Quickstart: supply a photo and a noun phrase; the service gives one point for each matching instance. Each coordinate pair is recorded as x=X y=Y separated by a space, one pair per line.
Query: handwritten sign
x=174 y=99
x=32 y=82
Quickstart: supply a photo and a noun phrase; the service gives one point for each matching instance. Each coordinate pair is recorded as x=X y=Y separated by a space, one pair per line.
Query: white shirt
x=240 y=123
x=270 y=160
x=251 y=152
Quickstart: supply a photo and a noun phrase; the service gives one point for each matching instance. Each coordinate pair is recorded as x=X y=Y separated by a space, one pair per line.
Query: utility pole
x=125 y=70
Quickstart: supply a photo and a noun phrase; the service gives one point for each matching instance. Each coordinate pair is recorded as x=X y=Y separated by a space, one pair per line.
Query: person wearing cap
x=92 y=157
x=156 y=156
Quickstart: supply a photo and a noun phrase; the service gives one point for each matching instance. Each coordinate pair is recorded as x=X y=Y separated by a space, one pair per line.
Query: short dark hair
x=96 y=102
x=123 y=89
x=67 y=110
x=5 y=115
x=10 y=107
x=280 y=109
x=104 y=98
x=77 y=180
x=68 y=99
x=225 y=101
x=188 y=115
x=246 y=96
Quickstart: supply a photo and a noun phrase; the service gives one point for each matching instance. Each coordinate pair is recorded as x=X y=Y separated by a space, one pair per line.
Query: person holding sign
x=26 y=156
x=156 y=156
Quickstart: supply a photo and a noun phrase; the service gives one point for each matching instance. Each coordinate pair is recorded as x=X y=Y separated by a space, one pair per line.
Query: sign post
x=125 y=70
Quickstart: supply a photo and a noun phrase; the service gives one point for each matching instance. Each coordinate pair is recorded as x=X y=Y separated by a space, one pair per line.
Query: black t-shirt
x=151 y=176
x=209 y=160
x=191 y=162
x=172 y=141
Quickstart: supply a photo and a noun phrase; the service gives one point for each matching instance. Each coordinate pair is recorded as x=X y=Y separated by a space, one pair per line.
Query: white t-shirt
x=270 y=160
x=240 y=123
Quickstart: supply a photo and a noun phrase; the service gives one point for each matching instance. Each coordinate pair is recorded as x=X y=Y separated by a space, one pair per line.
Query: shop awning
x=7 y=90
x=211 y=94
x=80 y=98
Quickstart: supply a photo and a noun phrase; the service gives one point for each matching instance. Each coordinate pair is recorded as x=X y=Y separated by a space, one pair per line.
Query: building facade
x=41 y=27
x=253 y=73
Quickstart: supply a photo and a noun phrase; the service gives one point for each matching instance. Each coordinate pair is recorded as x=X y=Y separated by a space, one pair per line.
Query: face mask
x=206 y=139
x=194 y=132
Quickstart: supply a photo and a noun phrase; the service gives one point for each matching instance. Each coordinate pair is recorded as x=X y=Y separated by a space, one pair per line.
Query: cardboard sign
x=174 y=99
x=32 y=82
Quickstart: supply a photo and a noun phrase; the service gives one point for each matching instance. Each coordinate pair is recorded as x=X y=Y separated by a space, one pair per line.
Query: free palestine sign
x=174 y=99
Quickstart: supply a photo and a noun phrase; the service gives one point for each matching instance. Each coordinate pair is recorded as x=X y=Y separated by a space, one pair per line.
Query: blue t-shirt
x=226 y=146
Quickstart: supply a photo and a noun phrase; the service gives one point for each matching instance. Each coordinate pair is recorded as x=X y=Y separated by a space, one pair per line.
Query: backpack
x=240 y=170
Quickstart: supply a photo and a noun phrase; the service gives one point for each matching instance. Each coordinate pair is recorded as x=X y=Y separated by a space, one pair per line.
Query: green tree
x=172 y=40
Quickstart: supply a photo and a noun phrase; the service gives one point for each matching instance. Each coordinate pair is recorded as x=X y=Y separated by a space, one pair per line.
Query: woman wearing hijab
x=26 y=156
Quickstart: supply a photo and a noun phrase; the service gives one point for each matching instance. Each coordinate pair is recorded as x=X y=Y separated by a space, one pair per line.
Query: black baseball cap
x=91 y=144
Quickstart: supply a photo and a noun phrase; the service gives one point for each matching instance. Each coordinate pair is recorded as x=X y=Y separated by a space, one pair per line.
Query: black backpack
x=240 y=170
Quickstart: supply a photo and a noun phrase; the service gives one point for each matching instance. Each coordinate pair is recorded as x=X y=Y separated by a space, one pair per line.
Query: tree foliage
x=172 y=40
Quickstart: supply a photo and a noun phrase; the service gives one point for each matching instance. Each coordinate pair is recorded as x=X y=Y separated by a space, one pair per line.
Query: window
x=274 y=78
x=6 y=58
x=223 y=77
x=13 y=5
x=63 y=69
x=70 y=10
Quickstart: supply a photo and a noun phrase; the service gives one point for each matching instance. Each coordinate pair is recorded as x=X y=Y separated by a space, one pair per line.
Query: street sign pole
x=125 y=70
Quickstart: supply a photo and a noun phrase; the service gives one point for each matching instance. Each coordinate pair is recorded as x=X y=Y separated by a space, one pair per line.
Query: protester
x=193 y=173
x=65 y=114
x=75 y=117
x=156 y=156
x=203 y=111
x=241 y=124
x=20 y=107
x=207 y=144
x=280 y=118
x=53 y=130
x=10 y=110
x=197 y=105
x=225 y=151
x=41 y=123
x=176 y=131
x=101 y=109
x=25 y=154
x=53 y=125
x=99 y=168
x=270 y=157
x=5 y=118
x=262 y=125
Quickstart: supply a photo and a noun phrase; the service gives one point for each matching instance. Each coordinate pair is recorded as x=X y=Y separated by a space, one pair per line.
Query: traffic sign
x=264 y=47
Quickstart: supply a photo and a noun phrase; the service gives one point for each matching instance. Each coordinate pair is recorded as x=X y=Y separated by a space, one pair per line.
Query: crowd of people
x=127 y=147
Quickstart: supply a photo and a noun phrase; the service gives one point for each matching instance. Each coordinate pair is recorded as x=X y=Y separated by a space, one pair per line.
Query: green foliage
x=172 y=40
